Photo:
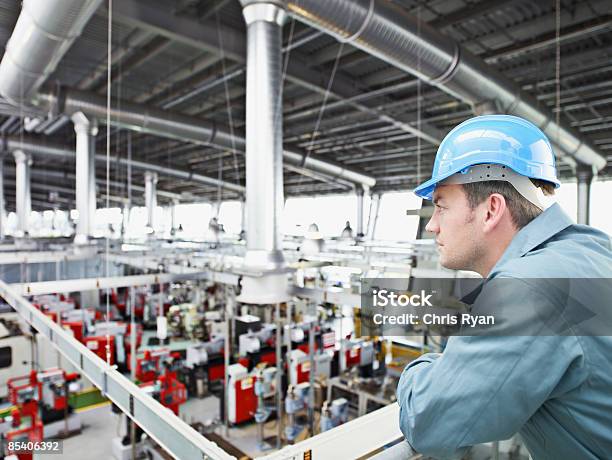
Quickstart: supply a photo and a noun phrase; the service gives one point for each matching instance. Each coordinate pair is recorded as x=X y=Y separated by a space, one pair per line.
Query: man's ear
x=494 y=211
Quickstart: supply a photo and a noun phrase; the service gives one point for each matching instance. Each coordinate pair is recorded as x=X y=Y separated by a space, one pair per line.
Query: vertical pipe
x=86 y=130
x=311 y=332
x=2 y=208
x=173 y=206
x=584 y=176
x=131 y=301
x=279 y=379
x=360 y=195
x=23 y=162
x=124 y=219
x=374 y=215
x=229 y=313
x=264 y=132
x=243 y=219
x=150 y=199
x=128 y=205
x=91 y=182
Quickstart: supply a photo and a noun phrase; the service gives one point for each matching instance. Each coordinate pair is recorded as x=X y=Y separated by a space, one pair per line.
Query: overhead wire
x=108 y=139
x=227 y=106
x=419 y=102
x=558 y=63
x=328 y=88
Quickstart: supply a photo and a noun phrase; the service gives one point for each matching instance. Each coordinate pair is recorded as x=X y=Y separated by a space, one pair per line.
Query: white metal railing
x=353 y=439
x=169 y=431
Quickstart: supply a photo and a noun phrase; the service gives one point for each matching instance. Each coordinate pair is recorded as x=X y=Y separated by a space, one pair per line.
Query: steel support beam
x=38 y=257
x=206 y=36
x=113 y=282
x=154 y=264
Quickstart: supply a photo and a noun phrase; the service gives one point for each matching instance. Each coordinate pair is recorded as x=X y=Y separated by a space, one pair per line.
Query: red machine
x=328 y=339
x=25 y=392
x=242 y=401
x=120 y=303
x=97 y=344
x=76 y=327
x=128 y=336
x=299 y=367
x=352 y=354
x=54 y=392
x=172 y=393
x=149 y=366
x=167 y=389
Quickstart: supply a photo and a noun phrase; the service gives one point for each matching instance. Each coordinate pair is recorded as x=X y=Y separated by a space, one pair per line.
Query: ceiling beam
x=208 y=35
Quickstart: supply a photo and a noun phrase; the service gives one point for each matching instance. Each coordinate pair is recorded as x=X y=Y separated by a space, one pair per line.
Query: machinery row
x=275 y=373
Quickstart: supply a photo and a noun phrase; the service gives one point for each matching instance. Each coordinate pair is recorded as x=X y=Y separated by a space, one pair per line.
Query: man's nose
x=432 y=226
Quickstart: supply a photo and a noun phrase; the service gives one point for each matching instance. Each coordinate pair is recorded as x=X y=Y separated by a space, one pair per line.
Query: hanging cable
x=279 y=110
x=129 y=178
x=108 y=138
x=219 y=191
x=315 y=131
x=558 y=63
x=227 y=100
x=418 y=165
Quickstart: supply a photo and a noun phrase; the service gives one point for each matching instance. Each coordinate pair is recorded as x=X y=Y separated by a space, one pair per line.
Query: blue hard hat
x=498 y=139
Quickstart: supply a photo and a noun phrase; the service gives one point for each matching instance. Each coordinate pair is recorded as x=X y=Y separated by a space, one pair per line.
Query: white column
x=584 y=177
x=86 y=129
x=125 y=219
x=23 y=162
x=173 y=206
x=2 y=202
x=360 y=195
x=264 y=133
x=264 y=152
x=151 y=198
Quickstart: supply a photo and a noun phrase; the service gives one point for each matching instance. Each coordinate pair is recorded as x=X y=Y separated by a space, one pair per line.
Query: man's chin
x=446 y=263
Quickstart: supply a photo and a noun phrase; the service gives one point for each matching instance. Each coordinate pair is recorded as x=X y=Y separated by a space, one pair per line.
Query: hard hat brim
x=427 y=188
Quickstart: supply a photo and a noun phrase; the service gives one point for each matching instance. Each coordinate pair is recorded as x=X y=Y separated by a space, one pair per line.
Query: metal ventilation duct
x=38 y=147
x=264 y=134
x=45 y=30
x=388 y=32
x=144 y=118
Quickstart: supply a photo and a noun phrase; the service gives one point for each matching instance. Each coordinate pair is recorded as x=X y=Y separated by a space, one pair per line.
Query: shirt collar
x=552 y=221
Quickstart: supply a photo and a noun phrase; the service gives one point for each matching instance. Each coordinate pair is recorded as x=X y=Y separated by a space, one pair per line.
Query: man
x=492 y=179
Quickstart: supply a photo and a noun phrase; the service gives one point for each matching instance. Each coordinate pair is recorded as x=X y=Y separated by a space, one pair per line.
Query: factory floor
x=243 y=437
x=101 y=425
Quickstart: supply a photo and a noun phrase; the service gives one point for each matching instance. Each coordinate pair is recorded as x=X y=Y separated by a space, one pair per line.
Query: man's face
x=454 y=224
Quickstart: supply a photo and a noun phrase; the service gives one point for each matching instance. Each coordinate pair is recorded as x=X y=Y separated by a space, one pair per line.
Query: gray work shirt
x=553 y=389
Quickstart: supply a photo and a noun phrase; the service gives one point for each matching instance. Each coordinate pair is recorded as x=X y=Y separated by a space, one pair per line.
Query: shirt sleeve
x=484 y=388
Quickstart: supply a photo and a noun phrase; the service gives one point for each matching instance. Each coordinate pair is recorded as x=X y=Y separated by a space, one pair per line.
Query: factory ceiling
x=341 y=104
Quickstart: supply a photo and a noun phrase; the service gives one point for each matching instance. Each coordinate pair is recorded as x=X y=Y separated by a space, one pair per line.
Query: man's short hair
x=522 y=210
